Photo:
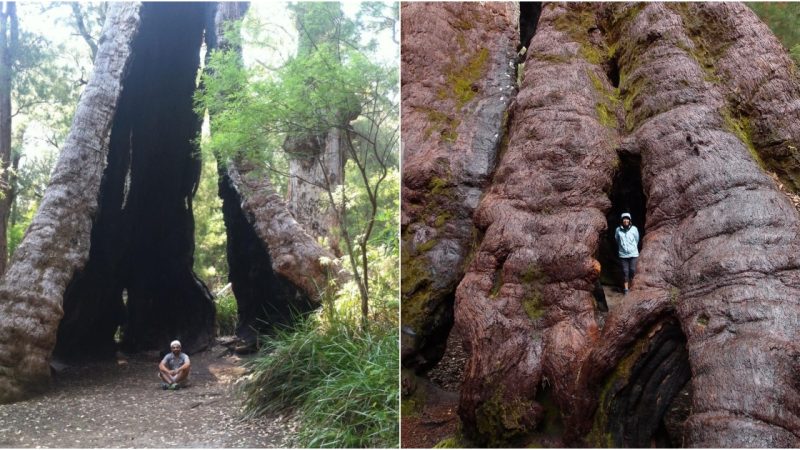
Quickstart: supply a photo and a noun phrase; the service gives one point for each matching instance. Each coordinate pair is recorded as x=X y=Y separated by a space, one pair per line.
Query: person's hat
x=174 y=343
x=624 y=215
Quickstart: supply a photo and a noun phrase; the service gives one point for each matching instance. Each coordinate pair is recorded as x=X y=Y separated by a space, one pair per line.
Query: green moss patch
x=533 y=279
x=441 y=125
x=462 y=80
x=740 y=126
x=442 y=219
x=500 y=419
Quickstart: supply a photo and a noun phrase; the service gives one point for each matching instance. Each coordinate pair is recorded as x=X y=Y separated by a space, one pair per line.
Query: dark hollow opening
x=626 y=195
x=143 y=235
x=443 y=354
x=652 y=406
x=612 y=70
x=529 y=13
x=138 y=291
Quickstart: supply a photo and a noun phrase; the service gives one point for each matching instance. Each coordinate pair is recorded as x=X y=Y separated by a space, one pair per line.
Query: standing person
x=627 y=236
x=174 y=368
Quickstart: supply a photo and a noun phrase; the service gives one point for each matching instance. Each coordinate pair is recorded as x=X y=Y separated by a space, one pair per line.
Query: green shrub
x=342 y=382
x=227 y=314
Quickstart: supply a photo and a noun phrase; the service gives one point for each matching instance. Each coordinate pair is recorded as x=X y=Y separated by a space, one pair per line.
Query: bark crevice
x=626 y=195
x=452 y=136
x=529 y=13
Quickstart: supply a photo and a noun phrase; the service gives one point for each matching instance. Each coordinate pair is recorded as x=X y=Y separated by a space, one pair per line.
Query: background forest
x=301 y=66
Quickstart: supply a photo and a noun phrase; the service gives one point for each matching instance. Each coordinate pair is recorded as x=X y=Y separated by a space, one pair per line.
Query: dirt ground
x=437 y=419
x=121 y=404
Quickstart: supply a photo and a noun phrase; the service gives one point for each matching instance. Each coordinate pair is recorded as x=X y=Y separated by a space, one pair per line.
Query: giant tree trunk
x=525 y=303
x=56 y=244
x=139 y=275
x=277 y=269
x=458 y=80
x=701 y=102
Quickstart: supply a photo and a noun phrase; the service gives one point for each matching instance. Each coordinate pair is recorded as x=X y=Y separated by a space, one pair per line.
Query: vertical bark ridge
x=525 y=301
x=457 y=86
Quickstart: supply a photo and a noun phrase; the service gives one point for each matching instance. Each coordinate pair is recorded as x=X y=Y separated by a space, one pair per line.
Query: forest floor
x=121 y=404
x=437 y=419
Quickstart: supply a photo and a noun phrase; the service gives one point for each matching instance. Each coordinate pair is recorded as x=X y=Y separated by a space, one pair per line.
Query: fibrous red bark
x=721 y=250
x=525 y=303
x=457 y=82
x=701 y=352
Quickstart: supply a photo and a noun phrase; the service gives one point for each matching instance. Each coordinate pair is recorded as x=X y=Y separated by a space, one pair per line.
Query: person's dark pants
x=628 y=268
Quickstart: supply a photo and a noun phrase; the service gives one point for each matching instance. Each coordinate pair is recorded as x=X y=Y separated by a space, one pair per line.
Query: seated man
x=174 y=368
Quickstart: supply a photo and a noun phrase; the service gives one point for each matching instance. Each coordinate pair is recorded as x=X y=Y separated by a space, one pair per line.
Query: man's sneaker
x=164 y=386
x=173 y=387
x=624 y=292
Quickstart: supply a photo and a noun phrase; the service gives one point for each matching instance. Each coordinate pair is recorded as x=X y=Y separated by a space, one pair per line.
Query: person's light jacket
x=627 y=242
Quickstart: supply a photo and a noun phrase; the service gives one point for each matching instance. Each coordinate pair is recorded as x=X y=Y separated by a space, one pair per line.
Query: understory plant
x=340 y=379
x=227 y=314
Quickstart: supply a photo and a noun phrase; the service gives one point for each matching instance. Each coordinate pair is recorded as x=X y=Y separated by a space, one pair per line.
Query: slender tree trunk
x=80 y=25
x=56 y=244
x=9 y=35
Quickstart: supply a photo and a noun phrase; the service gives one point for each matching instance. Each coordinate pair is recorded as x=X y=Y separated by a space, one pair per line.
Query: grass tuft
x=342 y=381
x=227 y=314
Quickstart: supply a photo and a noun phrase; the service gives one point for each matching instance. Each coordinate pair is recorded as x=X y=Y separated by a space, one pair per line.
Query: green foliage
x=255 y=108
x=210 y=262
x=339 y=373
x=357 y=202
x=226 y=314
x=16 y=229
x=783 y=18
x=384 y=284
x=461 y=80
x=47 y=78
x=340 y=378
x=334 y=81
x=378 y=16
